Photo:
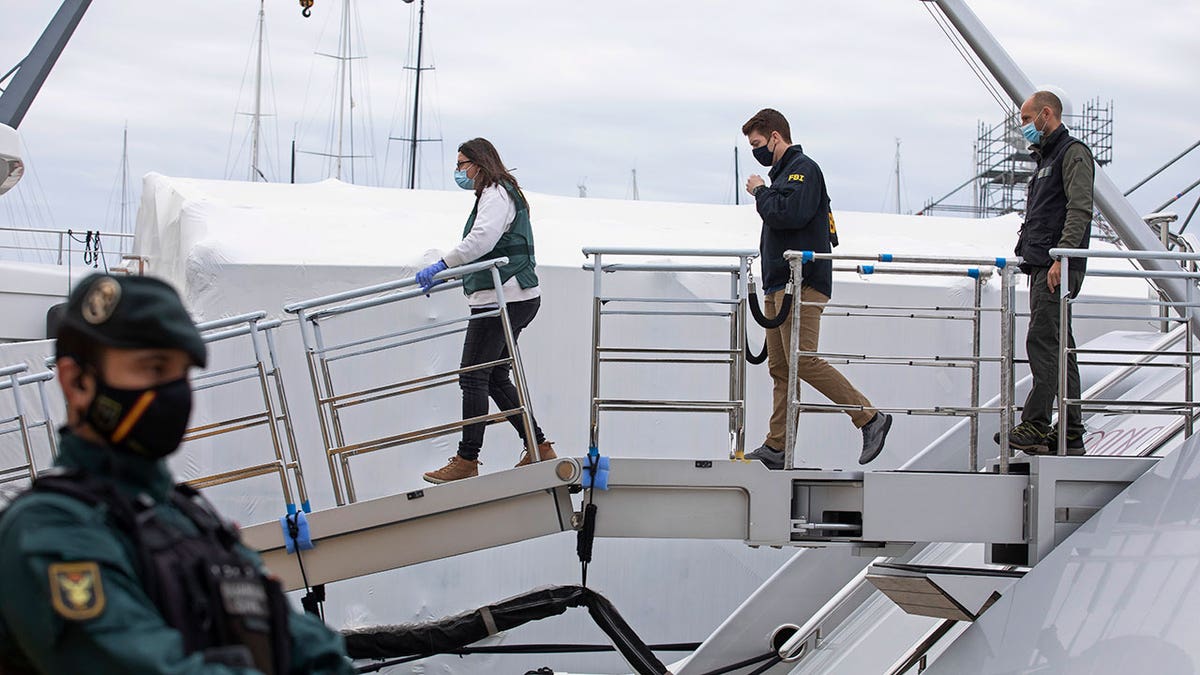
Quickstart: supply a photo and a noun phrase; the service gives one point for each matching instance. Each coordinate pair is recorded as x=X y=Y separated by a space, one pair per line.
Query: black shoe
x=874 y=434
x=1074 y=444
x=772 y=458
x=1025 y=437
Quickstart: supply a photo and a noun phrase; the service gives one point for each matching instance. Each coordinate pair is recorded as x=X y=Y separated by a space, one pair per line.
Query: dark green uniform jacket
x=516 y=244
x=70 y=597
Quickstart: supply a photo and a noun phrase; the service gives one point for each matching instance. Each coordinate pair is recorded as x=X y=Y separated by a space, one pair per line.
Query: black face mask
x=145 y=422
x=764 y=154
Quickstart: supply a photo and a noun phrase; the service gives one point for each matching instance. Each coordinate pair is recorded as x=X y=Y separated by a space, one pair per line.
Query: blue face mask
x=464 y=182
x=1031 y=132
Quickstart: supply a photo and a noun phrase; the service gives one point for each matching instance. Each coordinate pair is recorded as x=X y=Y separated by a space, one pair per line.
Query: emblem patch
x=796 y=178
x=76 y=591
x=101 y=301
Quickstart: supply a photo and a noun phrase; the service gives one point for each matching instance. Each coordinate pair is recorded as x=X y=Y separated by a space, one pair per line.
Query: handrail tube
x=451 y=273
x=231 y=321
x=241 y=330
x=680 y=252
x=1011 y=261
x=1146 y=274
x=407 y=331
x=869 y=270
x=660 y=267
x=393 y=345
x=381 y=300
x=1124 y=255
x=13 y=369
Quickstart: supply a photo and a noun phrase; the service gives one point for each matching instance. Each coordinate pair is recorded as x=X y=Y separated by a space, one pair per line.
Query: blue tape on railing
x=302 y=539
x=306 y=507
x=973 y=272
x=600 y=481
x=291 y=508
x=1001 y=262
x=866 y=269
x=806 y=256
x=885 y=257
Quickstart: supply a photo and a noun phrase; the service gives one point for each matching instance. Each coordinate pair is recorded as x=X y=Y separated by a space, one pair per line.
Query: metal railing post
x=793 y=361
x=976 y=320
x=518 y=372
x=1064 y=351
x=597 y=305
x=1007 y=376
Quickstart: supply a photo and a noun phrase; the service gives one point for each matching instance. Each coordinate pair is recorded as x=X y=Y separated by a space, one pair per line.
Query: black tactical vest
x=1046 y=206
x=201 y=583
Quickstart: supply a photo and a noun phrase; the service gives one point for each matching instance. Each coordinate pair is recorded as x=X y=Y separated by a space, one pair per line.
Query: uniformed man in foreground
x=105 y=565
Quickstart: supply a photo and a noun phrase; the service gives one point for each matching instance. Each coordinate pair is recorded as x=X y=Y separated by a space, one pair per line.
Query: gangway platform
x=1022 y=514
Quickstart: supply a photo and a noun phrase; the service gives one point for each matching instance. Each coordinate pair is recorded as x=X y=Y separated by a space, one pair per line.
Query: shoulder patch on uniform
x=75 y=590
x=796 y=178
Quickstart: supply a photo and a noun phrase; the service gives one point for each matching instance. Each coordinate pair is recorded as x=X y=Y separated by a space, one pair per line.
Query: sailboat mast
x=413 y=138
x=343 y=65
x=256 y=120
x=737 y=179
x=125 y=180
x=897 y=175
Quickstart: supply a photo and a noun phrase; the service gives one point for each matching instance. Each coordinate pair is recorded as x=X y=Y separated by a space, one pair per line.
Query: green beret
x=131 y=312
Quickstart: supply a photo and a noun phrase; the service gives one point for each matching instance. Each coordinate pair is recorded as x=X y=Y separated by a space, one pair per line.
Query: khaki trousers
x=813 y=370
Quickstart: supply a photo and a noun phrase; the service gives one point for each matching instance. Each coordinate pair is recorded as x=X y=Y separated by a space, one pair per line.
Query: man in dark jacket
x=106 y=567
x=1058 y=214
x=796 y=217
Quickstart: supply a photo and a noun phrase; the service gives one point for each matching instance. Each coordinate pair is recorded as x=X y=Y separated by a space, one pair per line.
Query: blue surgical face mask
x=464 y=181
x=1031 y=132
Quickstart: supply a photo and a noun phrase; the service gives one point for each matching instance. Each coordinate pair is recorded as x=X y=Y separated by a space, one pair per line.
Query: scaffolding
x=1003 y=165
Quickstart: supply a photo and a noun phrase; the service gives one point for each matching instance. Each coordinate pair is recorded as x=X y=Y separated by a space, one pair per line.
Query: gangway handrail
x=672 y=252
x=452 y=273
x=733 y=308
x=330 y=402
x=978 y=268
x=1185 y=308
x=14 y=377
x=275 y=414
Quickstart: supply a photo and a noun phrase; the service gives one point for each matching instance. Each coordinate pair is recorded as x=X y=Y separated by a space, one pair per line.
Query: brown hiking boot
x=457 y=469
x=545 y=451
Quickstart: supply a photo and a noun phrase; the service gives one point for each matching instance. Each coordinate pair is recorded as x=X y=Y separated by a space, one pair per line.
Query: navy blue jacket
x=796 y=217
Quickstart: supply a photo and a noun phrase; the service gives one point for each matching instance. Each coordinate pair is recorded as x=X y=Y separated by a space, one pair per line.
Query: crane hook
x=306 y=7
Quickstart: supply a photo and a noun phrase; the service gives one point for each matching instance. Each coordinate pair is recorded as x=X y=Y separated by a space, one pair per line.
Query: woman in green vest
x=498 y=227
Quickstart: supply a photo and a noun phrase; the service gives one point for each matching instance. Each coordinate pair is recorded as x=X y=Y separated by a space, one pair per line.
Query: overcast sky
x=580 y=90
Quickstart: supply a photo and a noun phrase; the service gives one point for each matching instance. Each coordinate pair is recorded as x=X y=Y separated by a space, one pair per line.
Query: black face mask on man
x=148 y=423
x=764 y=154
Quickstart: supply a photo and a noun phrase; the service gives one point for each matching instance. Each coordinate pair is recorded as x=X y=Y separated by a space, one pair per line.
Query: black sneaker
x=874 y=434
x=1074 y=444
x=1026 y=437
x=772 y=458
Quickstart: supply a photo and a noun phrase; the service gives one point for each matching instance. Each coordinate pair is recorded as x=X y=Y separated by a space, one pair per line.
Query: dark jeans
x=485 y=342
x=1041 y=345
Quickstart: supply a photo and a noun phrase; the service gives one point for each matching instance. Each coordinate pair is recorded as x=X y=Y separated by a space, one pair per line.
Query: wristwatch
x=758 y=189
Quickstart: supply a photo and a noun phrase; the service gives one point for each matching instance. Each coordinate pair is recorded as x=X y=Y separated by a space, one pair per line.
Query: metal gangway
x=979 y=271
x=262 y=367
x=924 y=579
x=12 y=378
x=733 y=263
x=323 y=355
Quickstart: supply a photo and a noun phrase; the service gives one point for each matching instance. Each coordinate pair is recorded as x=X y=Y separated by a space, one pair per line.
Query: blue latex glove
x=425 y=276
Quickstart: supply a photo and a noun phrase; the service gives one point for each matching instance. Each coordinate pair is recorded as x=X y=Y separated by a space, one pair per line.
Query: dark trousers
x=1041 y=345
x=485 y=342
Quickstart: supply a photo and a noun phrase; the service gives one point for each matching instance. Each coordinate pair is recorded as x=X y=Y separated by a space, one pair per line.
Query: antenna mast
x=125 y=181
x=737 y=179
x=635 y=187
x=414 y=139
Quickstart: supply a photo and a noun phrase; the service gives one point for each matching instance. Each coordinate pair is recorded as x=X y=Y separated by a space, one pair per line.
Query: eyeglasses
x=460 y=165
